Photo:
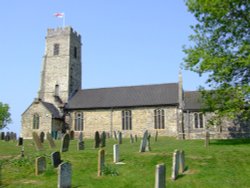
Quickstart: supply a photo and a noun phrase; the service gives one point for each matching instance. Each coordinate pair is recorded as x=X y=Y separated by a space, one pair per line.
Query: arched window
x=78 y=121
x=159 y=119
x=36 y=121
x=126 y=120
x=198 y=120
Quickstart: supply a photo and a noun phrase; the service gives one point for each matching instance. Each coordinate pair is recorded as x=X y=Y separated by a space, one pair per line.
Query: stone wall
x=110 y=120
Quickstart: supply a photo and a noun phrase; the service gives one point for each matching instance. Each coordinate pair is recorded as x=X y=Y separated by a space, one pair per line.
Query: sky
x=124 y=43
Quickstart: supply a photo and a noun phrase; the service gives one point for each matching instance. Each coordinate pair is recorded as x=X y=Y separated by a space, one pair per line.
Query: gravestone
x=40 y=165
x=207 y=137
x=160 y=176
x=56 y=159
x=101 y=162
x=80 y=145
x=22 y=152
x=51 y=141
x=7 y=137
x=37 y=141
x=2 y=135
x=42 y=137
x=65 y=142
x=131 y=139
x=72 y=135
x=181 y=161
x=116 y=153
x=175 y=165
x=136 y=138
x=97 y=139
x=64 y=175
x=20 y=141
x=156 y=136
x=120 y=137
x=103 y=139
x=148 y=147
x=144 y=142
x=115 y=135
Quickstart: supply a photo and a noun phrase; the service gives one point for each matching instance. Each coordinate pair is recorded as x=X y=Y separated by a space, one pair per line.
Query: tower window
x=36 y=121
x=56 y=49
x=126 y=120
x=159 y=119
x=75 y=52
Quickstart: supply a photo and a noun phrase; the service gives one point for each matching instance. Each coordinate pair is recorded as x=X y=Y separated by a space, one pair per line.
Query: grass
x=225 y=163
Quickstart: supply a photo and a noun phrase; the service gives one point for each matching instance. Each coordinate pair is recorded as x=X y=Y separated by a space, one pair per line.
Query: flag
x=59 y=15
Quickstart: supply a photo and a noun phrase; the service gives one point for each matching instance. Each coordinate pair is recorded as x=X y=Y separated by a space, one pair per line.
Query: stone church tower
x=60 y=80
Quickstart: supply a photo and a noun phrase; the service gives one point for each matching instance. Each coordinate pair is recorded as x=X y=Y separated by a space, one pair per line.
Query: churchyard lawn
x=224 y=164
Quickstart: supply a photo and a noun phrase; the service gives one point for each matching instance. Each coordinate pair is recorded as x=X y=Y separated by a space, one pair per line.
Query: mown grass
x=225 y=163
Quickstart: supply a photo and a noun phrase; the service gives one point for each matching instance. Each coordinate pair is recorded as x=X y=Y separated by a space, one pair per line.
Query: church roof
x=132 y=96
x=192 y=100
x=53 y=110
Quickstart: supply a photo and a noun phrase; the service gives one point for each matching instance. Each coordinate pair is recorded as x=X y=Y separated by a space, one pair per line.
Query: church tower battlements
x=61 y=69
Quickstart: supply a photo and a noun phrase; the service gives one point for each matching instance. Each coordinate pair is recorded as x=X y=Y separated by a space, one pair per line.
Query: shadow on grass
x=230 y=142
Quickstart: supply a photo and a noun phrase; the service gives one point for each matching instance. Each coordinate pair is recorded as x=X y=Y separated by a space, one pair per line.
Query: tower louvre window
x=56 y=49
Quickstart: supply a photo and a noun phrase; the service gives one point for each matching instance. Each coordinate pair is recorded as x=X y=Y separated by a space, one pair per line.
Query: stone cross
x=51 y=141
x=40 y=165
x=64 y=175
x=103 y=139
x=101 y=162
x=175 y=165
x=56 y=159
x=80 y=145
x=116 y=153
x=160 y=176
x=65 y=142
x=37 y=141
x=97 y=139
x=120 y=137
x=144 y=142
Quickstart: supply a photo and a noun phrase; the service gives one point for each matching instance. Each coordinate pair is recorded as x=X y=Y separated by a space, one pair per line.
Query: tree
x=4 y=115
x=221 y=49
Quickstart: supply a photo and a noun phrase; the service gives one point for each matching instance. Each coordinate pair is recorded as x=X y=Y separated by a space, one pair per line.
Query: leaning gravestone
x=37 y=141
x=103 y=139
x=175 y=165
x=97 y=139
x=160 y=176
x=56 y=159
x=64 y=175
x=144 y=142
x=65 y=143
x=80 y=145
x=51 y=141
x=101 y=162
x=40 y=165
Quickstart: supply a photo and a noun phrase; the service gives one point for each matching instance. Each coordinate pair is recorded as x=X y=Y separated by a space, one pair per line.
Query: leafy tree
x=221 y=49
x=4 y=115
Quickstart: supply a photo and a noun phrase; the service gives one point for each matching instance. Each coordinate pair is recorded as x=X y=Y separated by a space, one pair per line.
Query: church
x=63 y=106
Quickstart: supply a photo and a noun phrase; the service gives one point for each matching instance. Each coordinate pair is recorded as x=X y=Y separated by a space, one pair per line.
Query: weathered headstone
x=181 y=161
x=20 y=141
x=42 y=137
x=101 y=162
x=97 y=139
x=120 y=137
x=40 y=165
x=207 y=137
x=103 y=139
x=156 y=136
x=2 y=136
x=148 y=147
x=144 y=142
x=116 y=153
x=64 y=175
x=56 y=159
x=80 y=145
x=115 y=135
x=51 y=141
x=65 y=142
x=131 y=139
x=160 y=176
x=175 y=165
x=136 y=138
x=37 y=141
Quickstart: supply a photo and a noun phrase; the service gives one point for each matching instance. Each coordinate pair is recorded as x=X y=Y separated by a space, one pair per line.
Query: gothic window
x=159 y=119
x=75 y=52
x=36 y=122
x=198 y=120
x=78 y=121
x=56 y=49
x=126 y=120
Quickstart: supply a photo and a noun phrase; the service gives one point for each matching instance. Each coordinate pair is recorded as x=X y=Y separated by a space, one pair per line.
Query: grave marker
x=101 y=162
x=80 y=145
x=40 y=165
x=51 y=141
x=181 y=161
x=64 y=175
x=56 y=159
x=207 y=137
x=65 y=142
x=116 y=153
x=20 y=141
x=160 y=176
x=175 y=165
x=103 y=139
x=131 y=139
x=144 y=142
x=115 y=135
x=37 y=141
x=120 y=137
x=97 y=139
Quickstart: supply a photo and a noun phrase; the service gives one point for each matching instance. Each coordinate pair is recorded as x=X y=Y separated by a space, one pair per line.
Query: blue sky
x=124 y=43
